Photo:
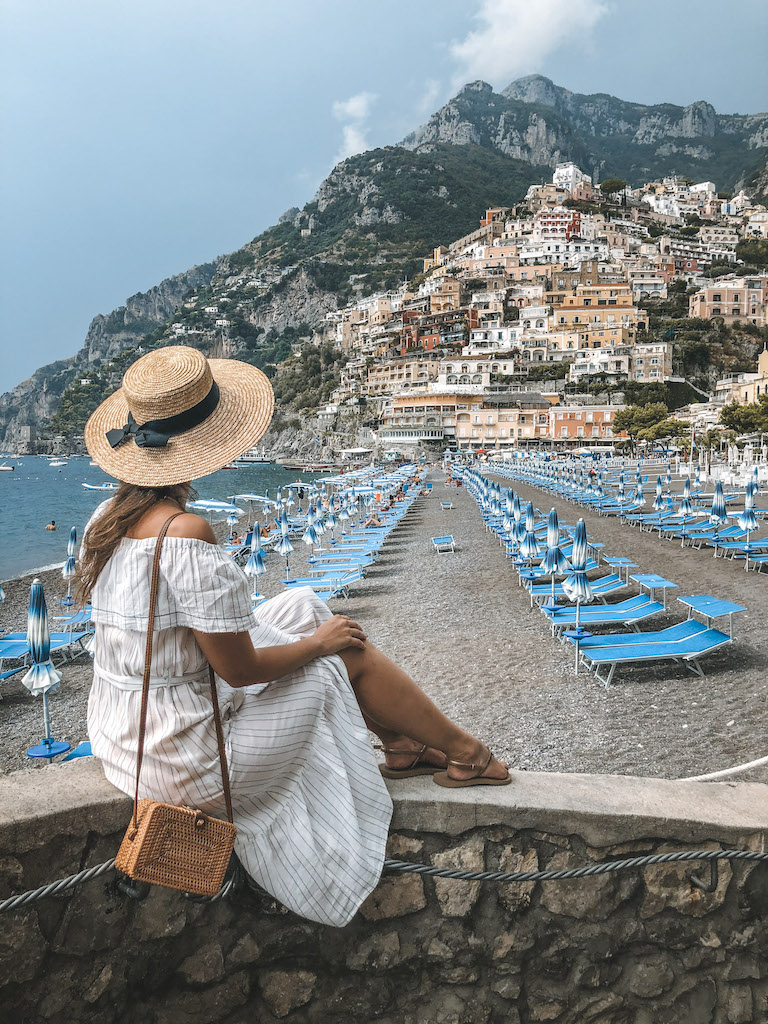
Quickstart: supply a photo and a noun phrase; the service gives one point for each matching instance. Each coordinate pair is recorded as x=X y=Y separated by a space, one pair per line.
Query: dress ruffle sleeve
x=199 y=587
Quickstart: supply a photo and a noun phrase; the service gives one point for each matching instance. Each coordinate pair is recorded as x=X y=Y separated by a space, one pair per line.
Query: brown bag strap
x=145 y=686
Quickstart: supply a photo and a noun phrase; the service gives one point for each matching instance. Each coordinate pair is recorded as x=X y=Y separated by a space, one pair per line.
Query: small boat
x=57 y=462
x=7 y=469
x=100 y=487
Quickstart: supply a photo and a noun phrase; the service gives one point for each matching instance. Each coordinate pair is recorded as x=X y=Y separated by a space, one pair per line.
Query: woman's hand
x=337 y=634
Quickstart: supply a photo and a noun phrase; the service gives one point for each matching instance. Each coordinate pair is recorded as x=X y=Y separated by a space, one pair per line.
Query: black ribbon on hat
x=157 y=433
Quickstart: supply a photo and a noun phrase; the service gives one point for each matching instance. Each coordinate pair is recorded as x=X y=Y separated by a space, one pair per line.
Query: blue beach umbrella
x=748 y=520
x=718 y=514
x=70 y=566
x=42 y=678
x=284 y=546
x=529 y=546
x=669 y=476
x=255 y=566
x=658 y=501
x=554 y=563
x=576 y=585
x=620 y=494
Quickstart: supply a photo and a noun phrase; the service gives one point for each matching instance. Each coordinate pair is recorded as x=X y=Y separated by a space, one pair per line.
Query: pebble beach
x=463 y=628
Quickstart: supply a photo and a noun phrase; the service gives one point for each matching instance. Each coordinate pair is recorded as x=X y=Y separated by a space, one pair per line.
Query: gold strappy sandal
x=442 y=778
x=417 y=766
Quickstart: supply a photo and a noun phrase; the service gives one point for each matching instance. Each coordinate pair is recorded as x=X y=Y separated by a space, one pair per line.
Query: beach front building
x=744 y=388
x=426 y=416
x=509 y=420
x=651 y=361
x=732 y=298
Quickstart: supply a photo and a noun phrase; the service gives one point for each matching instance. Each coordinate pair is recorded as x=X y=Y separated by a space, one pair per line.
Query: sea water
x=35 y=493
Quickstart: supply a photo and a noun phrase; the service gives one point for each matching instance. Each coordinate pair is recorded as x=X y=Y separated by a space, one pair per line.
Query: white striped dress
x=311 y=808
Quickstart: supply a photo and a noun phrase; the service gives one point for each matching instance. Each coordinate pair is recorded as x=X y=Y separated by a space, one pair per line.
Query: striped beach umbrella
x=255 y=566
x=718 y=514
x=576 y=585
x=70 y=566
x=529 y=546
x=658 y=501
x=554 y=563
x=685 y=507
x=620 y=493
x=748 y=520
x=42 y=678
x=669 y=475
x=284 y=546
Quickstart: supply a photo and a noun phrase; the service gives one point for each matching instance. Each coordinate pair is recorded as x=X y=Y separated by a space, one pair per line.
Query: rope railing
x=239 y=879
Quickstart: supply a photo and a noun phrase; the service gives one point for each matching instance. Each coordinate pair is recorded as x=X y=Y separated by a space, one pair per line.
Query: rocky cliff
x=33 y=402
x=533 y=119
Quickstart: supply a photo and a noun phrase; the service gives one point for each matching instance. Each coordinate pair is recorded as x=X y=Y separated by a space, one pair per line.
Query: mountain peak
x=534 y=89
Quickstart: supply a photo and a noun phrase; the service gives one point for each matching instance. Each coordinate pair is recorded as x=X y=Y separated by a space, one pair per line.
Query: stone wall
x=629 y=948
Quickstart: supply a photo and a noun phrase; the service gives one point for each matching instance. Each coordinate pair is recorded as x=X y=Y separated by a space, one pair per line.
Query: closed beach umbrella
x=669 y=475
x=255 y=566
x=554 y=563
x=70 y=566
x=658 y=501
x=620 y=494
x=284 y=546
x=748 y=520
x=718 y=513
x=686 y=508
x=42 y=678
x=310 y=534
x=529 y=547
x=576 y=585
x=2 y=595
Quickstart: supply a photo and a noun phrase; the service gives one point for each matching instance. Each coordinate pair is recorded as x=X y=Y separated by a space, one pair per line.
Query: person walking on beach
x=297 y=685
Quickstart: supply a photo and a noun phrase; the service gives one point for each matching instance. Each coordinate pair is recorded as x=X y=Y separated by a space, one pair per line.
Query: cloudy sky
x=145 y=136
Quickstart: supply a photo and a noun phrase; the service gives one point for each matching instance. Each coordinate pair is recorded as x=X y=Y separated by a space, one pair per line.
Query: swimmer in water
x=52 y=525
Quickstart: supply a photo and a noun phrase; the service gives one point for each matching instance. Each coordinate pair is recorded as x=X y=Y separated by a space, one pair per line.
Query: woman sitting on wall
x=297 y=686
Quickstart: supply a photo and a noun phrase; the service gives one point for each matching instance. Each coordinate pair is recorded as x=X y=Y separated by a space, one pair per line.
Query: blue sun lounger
x=601 y=588
x=648 y=647
x=443 y=544
x=626 y=613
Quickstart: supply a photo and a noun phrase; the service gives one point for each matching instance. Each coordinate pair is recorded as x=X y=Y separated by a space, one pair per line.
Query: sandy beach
x=463 y=628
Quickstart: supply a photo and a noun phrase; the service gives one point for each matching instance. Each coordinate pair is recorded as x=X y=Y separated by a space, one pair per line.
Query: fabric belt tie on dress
x=155 y=682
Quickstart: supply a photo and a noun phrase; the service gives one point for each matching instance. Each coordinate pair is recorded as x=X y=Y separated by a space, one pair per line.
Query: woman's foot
x=406 y=758
x=474 y=766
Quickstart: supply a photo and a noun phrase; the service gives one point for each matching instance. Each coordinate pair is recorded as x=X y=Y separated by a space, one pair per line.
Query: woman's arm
x=233 y=656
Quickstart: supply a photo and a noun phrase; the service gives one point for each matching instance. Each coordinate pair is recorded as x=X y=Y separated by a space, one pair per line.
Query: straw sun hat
x=179 y=416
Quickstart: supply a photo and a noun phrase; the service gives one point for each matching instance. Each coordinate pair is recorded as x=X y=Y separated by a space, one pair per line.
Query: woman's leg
x=389 y=698
x=400 y=750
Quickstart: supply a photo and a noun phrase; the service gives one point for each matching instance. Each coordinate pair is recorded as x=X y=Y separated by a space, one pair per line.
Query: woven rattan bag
x=178 y=847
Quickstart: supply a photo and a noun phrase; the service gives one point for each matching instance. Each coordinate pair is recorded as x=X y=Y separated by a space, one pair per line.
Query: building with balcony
x=732 y=298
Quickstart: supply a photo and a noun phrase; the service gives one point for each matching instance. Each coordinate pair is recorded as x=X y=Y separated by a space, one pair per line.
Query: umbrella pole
x=576 y=638
x=746 y=560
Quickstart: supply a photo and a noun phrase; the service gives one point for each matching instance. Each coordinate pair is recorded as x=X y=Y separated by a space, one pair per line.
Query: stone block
x=456 y=898
x=668 y=886
x=398 y=846
x=516 y=896
x=395 y=896
x=99 y=985
x=245 y=951
x=160 y=916
x=507 y=987
x=594 y=898
x=649 y=977
x=22 y=947
x=209 y=1005
x=377 y=952
x=204 y=965
x=459 y=975
x=738 y=1005
x=284 y=991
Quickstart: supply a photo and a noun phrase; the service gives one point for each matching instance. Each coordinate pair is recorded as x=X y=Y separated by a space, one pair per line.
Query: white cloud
x=356 y=108
x=354 y=112
x=513 y=37
x=430 y=96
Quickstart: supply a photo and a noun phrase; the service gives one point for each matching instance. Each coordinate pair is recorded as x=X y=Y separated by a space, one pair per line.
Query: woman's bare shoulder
x=192 y=526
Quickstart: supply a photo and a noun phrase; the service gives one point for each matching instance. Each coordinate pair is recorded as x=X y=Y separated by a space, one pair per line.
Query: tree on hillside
x=650 y=422
x=746 y=419
x=753 y=250
x=612 y=185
